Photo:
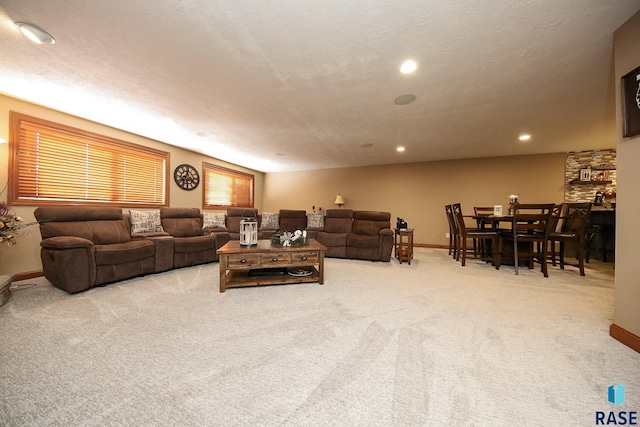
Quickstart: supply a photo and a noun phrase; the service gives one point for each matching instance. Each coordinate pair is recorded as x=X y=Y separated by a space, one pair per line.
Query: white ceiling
x=292 y=84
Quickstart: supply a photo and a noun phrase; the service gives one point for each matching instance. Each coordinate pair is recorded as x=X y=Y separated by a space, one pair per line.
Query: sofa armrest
x=222 y=237
x=69 y=262
x=65 y=242
x=386 y=232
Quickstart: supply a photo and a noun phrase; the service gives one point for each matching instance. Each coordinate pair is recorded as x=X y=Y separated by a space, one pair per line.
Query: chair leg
x=561 y=255
x=553 y=253
x=581 y=257
x=496 y=252
x=516 y=261
x=464 y=251
x=544 y=261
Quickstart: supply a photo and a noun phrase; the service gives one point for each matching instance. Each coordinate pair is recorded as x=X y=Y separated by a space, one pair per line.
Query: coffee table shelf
x=240 y=278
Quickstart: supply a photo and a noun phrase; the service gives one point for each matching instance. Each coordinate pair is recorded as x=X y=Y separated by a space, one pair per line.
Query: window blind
x=56 y=163
x=225 y=187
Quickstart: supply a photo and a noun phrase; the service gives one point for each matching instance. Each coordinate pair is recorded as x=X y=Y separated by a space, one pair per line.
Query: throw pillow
x=270 y=220
x=145 y=221
x=213 y=220
x=315 y=220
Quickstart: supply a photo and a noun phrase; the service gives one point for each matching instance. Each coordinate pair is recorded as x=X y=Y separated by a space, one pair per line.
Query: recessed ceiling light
x=400 y=149
x=366 y=145
x=524 y=137
x=35 y=34
x=405 y=99
x=408 y=66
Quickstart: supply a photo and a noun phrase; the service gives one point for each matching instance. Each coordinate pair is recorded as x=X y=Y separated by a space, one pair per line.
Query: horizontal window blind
x=226 y=187
x=56 y=163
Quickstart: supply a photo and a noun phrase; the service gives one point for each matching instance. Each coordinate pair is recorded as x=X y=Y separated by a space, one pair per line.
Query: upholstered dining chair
x=571 y=227
x=464 y=234
x=529 y=234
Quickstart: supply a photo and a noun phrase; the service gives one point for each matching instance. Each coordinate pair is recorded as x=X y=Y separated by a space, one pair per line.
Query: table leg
x=321 y=268
x=223 y=273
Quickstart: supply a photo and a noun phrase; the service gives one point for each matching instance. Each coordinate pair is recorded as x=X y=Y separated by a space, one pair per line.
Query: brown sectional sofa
x=84 y=247
x=353 y=234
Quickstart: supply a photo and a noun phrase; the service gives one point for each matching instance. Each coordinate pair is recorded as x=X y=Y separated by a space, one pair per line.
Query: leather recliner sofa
x=84 y=247
x=353 y=234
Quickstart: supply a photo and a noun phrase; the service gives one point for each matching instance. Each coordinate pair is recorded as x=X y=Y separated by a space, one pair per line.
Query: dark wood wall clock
x=187 y=177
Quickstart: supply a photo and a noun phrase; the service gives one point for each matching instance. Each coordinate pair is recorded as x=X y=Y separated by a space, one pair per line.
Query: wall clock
x=187 y=177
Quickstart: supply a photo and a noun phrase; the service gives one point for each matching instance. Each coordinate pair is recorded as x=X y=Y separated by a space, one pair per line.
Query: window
x=225 y=188
x=54 y=163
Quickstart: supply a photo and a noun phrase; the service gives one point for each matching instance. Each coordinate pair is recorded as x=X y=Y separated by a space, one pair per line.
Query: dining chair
x=529 y=234
x=571 y=228
x=480 y=213
x=453 y=232
x=464 y=234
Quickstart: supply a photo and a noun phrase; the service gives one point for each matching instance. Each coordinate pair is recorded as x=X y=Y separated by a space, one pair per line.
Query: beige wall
x=417 y=192
x=627 y=289
x=25 y=256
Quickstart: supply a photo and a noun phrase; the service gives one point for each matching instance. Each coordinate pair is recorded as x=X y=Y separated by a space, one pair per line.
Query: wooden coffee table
x=237 y=263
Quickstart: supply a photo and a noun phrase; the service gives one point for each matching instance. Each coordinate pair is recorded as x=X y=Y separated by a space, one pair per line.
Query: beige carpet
x=380 y=344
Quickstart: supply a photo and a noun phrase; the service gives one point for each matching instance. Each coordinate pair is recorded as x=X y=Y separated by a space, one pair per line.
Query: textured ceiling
x=291 y=85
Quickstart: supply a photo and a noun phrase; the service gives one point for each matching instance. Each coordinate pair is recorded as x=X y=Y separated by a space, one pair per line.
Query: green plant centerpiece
x=288 y=239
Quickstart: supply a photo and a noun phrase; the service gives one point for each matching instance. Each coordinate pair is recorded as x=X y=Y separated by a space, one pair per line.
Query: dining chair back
x=453 y=232
x=571 y=228
x=529 y=233
x=489 y=236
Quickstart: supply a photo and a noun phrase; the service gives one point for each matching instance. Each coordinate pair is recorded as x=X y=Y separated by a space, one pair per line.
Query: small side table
x=403 y=247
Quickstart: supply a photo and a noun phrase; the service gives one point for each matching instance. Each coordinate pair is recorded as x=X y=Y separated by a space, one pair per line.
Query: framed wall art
x=585 y=174
x=631 y=103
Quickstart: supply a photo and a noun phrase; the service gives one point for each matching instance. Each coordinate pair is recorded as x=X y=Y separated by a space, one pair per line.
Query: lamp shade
x=339 y=200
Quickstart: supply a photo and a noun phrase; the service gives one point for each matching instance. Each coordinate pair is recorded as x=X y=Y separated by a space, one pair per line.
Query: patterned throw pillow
x=270 y=220
x=315 y=220
x=213 y=220
x=145 y=221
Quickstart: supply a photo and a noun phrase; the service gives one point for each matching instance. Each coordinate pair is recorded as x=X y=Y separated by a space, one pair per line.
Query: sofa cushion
x=99 y=232
x=292 y=220
x=182 y=222
x=270 y=220
x=235 y=215
x=122 y=253
x=213 y=220
x=194 y=244
x=101 y=226
x=363 y=241
x=332 y=239
x=183 y=227
x=315 y=220
x=338 y=220
x=370 y=223
x=145 y=221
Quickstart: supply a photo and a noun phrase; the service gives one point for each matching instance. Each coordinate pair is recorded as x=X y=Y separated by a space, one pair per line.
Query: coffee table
x=237 y=263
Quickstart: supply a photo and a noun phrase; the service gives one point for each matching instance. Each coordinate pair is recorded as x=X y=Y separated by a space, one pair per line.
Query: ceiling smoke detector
x=405 y=99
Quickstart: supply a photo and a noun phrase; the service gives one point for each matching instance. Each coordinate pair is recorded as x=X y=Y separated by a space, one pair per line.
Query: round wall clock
x=187 y=177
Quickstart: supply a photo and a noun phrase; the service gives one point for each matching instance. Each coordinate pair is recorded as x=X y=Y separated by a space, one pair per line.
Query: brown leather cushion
x=122 y=253
x=183 y=227
x=370 y=223
x=99 y=232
